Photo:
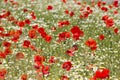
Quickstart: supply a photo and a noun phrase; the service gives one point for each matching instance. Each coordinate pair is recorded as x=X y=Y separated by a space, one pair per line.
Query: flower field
x=59 y=40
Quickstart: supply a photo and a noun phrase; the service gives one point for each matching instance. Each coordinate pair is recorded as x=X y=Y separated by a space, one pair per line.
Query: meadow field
x=59 y=40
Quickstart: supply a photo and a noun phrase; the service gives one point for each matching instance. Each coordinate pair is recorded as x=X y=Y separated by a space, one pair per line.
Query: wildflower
x=27 y=21
x=64 y=35
x=49 y=7
x=2 y=55
x=70 y=52
x=24 y=77
x=32 y=33
x=38 y=60
x=115 y=3
x=52 y=59
x=91 y=43
x=101 y=37
x=7 y=51
x=109 y=22
x=76 y=32
x=48 y=38
x=21 y=23
x=64 y=77
x=19 y=56
x=116 y=31
x=45 y=69
x=3 y=72
x=64 y=1
x=6 y=44
x=26 y=43
x=102 y=73
x=67 y=65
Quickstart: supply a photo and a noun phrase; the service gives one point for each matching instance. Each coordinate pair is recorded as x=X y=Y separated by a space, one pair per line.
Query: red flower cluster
x=24 y=77
x=3 y=72
x=5 y=14
x=63 y=23
x=44 y=35
x=64 y=78
x=39 y=60
x=45 y=70
x=26 y=44
x=115 y=3
x=16 y=35
x=76 y=32
x=91 y=43
x=101 y=37
x=108 y=21
x=67 y=65
x=49 y=7
x=63 y=36
x=71 y=51
x=52 y=59
x=85 y=13
x=102 y=73
x=33 y=15
x=32 y=33
x=39 y=64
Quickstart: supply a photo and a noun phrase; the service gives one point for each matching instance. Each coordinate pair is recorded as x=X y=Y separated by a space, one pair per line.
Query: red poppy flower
x=6 y=14
x=70 y=52
x=32 y=33
x=24 y=77
x=66 y=11
x=16 y=35
x=71 y=13
x=11 y=18
x=91 y=43
x=76 y=32
x=116 y=31
x=64 y=1
x=1 y=30
x=64 y=35
x=35 y=27
x=67 y=65
x=101 y=37
x=3 y=72
x=64 y=77
x=115 y=3
x=7 y=51
x=41 y=30
x=63 y=23
x=45 y=70
x=109 y=22
x=25 y=10
x=6 y=44
x=5 y=1
x=19 y=56
x=48 y=38
x=105 y=17
x=27 y=21
x=49 y=7
x=2 y=55
x=21 y=23
x=99 y=4
x=52 y=59
x=26 y=43
x=66 y=22
x=104 y=9
x=75 y=47
x=38 y=60
x=33 y=47
x=115 y=12
x=102 y=73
